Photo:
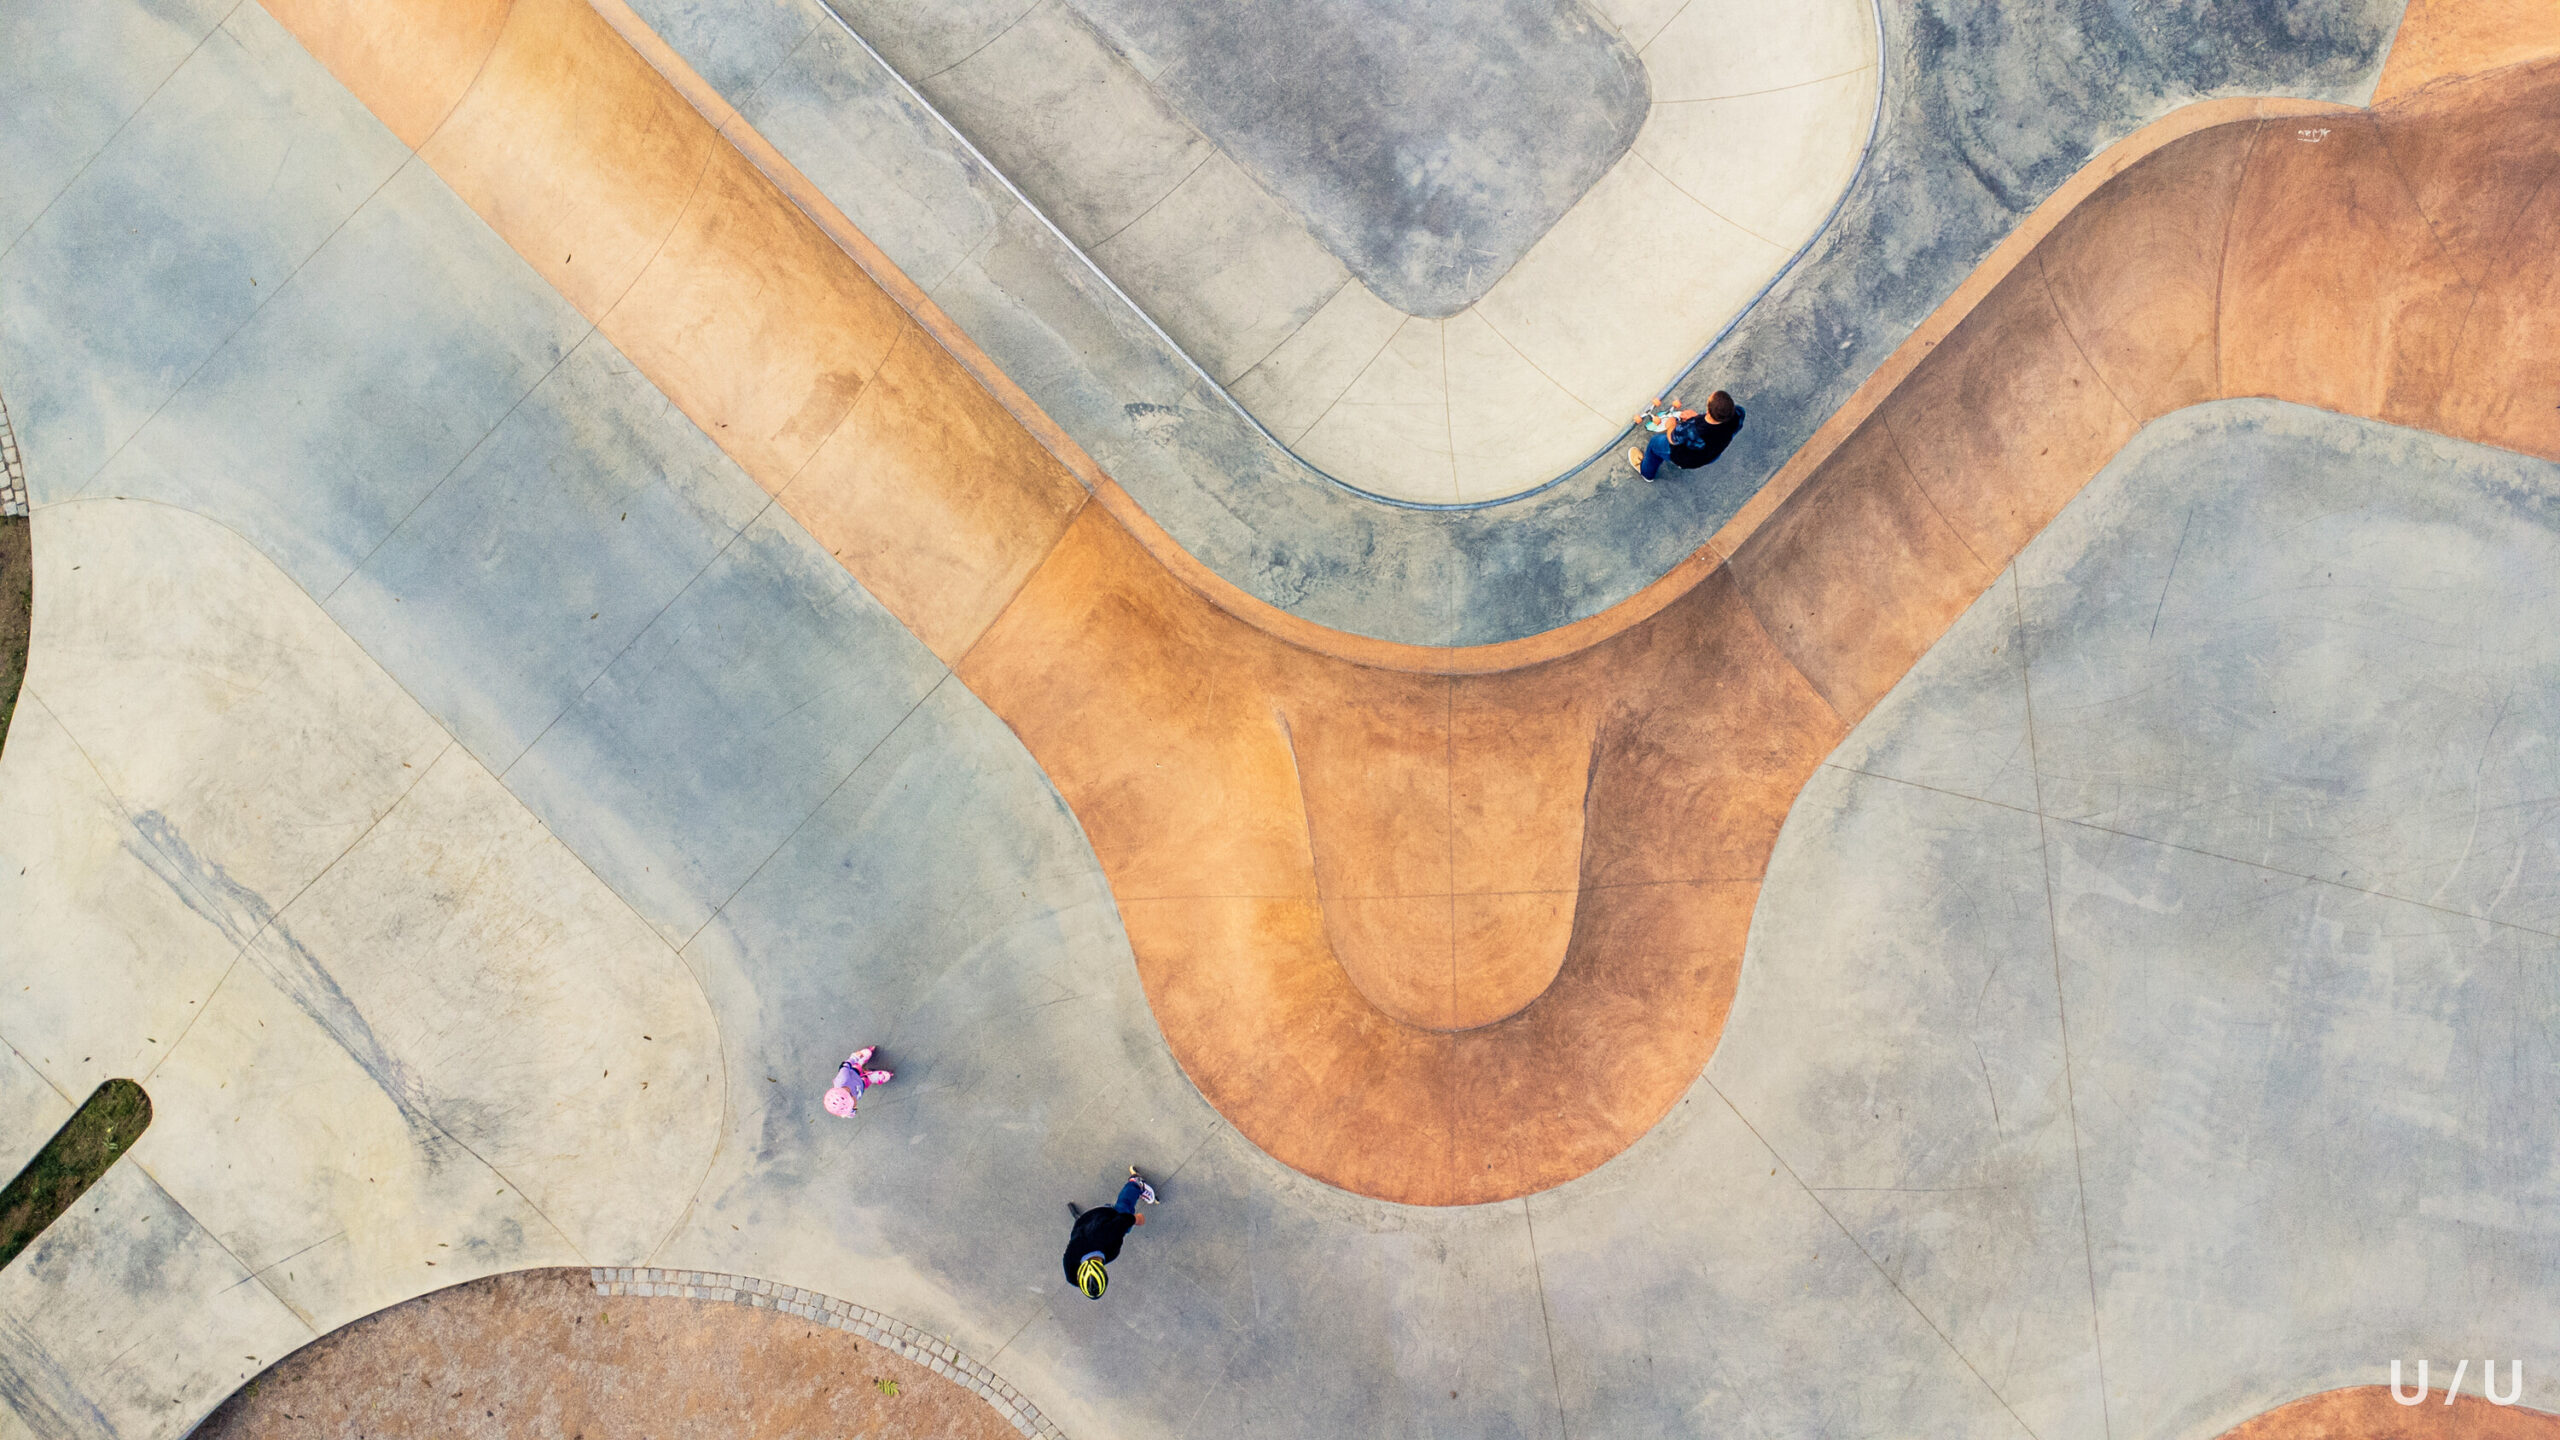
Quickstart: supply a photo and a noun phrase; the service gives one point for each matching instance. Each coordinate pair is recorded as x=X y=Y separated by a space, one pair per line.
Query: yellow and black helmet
x=1090 y=1277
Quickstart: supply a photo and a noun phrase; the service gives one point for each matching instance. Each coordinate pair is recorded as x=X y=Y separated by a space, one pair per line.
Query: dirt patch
x=540 y=1353
x=102 y=1129
x=17 y=611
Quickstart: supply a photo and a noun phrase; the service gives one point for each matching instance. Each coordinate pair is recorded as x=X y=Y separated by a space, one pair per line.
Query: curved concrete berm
x=1430 y=283
x=492 y=744
x=1953 y=173
x=1433 y=897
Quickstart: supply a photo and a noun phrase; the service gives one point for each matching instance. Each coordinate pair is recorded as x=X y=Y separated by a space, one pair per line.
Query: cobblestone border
x=931 y=1351
x=13 y=476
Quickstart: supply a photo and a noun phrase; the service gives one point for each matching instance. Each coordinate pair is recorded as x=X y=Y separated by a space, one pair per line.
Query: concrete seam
x=125 y=813
x=1546 y=1317
x=497 y=42
x=607 y=668
x=1662 y=29
x=920 y=1346
x=1760 y=623
x=1348 y=280
x=446 y=478
x=2471 y=290
x=1196 y=167
x=277 y=914
x=1774 y=89
x=2222 y=255
x=2045 y=282
x=2061 y=1010
x=737 y=112
x=32 y=1069
x=1449 y=816
x=1541 y=369
x=692 y=198
x=104 y=145
x=841 y=781
x=2203 y=853
x=1448 y=411
x=1882 y=1273
x=2461 y=335
x=1875 y=126
x=963 y=60
x=1363 y=369
x=266 y=297
x=259 y=1275
x=1701 y=204
x=2400 y=176
x=452 y=743
x=1911 y=477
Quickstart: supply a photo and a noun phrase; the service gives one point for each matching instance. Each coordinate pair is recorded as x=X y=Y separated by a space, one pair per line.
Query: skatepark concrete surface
x=1940 y=187
x=1442 y=253
x=548 y=632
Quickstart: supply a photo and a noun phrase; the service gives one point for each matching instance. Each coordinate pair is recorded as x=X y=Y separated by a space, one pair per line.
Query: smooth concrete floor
x=774 y=829
x=1981 y=122
x=1443 y=253
x=322 y=751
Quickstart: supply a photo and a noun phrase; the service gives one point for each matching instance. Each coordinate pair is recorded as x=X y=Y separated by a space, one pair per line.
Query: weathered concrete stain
x=1427 y=146
x=268 y=945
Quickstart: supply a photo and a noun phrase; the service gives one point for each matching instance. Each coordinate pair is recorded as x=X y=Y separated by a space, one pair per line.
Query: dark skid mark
x=35 y=1385
x=243 y=915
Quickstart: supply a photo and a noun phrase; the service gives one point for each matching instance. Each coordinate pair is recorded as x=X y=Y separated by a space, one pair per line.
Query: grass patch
x=98 y=1132
x=17 y=612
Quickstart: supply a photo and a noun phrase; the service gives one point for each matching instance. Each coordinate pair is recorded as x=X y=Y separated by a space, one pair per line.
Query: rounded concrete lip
x=1541 y=372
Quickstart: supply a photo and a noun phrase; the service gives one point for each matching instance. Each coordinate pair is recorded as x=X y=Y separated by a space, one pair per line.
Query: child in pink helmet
x=852 y=1078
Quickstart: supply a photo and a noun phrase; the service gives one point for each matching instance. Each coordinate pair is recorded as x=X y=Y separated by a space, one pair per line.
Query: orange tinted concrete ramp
x=1649 y=774
x=1446 y=927
x=2440 y=39
x=2367 y=1412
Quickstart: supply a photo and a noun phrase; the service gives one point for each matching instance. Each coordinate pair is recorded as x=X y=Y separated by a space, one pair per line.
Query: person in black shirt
x=1692 y=439
x=1094 y=1242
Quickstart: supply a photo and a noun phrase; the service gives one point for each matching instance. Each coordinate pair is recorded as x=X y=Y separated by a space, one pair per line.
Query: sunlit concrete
x=424 y=702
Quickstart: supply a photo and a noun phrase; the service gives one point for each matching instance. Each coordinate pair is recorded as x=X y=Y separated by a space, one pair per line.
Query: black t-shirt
x=1698 y=442
x=1097 y=1230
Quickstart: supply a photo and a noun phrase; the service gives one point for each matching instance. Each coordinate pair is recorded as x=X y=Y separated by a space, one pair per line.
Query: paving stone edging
x=925 y=1349
x=13 y=475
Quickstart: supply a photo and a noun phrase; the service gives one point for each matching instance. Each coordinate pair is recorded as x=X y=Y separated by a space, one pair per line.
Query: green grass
x=17 y=605
x=98 y=1132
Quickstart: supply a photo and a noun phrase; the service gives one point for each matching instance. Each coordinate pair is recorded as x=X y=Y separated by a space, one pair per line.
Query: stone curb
x=930 y=1351
x=13 y=475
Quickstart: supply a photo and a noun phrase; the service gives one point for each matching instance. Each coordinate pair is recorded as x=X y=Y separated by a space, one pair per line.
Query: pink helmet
x=840 y=1101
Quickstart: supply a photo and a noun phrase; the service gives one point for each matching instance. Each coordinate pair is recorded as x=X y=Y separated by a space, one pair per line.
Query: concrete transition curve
x=1443 y=926
x=1496 y=916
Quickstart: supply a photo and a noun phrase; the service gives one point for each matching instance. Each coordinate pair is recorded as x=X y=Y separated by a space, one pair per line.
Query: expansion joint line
x=1869 y=1256
x=2061 y=1010
x=1546 y=1316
